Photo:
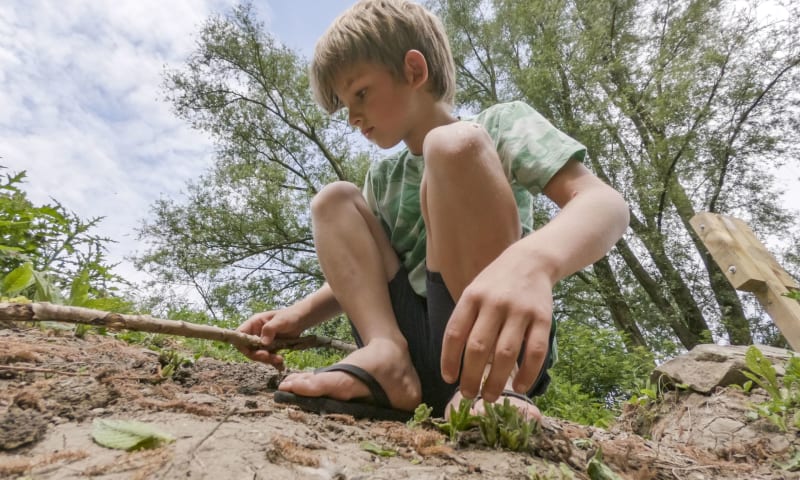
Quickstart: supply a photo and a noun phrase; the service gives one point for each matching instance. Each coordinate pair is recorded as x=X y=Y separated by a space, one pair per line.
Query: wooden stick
x=43 y=311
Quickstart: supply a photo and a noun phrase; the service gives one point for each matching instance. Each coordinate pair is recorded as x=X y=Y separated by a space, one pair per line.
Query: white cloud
x=81 y=109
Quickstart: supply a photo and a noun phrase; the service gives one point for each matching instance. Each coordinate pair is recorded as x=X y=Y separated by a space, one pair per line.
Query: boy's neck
x=437 y=115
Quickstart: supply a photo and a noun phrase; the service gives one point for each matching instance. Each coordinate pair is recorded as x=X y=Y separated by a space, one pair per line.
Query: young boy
x=448 y=288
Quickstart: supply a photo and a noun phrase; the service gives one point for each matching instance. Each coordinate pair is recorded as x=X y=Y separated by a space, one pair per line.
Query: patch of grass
x=311 y=358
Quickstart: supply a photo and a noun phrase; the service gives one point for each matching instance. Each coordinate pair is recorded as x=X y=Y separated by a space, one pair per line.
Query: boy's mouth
x=367 y=132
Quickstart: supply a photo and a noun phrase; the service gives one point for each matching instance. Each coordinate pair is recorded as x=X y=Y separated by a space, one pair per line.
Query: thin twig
x=193 y=451
x=41 y=370
x=43 y=311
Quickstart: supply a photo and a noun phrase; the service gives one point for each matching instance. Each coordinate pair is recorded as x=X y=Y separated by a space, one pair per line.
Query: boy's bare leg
x=470 y=213
x=358 y=262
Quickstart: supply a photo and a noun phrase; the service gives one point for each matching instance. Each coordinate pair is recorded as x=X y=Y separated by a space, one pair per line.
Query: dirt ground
x=52 y=386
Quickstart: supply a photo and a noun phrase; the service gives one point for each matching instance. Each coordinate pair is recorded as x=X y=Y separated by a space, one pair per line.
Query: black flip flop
x=378 y=407
x=511 y=393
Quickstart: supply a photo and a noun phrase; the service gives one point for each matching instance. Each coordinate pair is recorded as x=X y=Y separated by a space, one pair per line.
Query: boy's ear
x=415 y=68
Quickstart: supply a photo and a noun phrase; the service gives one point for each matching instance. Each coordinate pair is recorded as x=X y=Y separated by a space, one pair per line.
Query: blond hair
x=381 y=32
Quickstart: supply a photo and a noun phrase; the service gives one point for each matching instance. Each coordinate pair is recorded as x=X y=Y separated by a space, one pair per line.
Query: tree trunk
x=620 y=312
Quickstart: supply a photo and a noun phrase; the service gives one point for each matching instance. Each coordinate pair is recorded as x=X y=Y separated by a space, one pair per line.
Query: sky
x=82 y=109
x=81 y=101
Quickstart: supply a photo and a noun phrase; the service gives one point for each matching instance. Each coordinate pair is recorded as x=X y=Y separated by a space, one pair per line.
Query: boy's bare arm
x=511 y=299
x=289 y=322
x=319 y=306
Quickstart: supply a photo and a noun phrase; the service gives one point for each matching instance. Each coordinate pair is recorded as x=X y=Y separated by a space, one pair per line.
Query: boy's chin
x=386 y=145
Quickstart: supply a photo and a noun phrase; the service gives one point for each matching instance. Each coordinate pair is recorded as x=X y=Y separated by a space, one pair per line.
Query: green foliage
x=793 y=294
x=594 y=374
x=311 y=358
x=49 y=254
x=17 y=280
x=784 y=392
x=569 y=401
x=646 y=394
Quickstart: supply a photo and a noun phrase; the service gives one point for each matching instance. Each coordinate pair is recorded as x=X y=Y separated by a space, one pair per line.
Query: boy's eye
x=361 y=93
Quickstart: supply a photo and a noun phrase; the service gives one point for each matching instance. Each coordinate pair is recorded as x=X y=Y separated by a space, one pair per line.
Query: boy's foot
x=390 y=365
x=524 y=405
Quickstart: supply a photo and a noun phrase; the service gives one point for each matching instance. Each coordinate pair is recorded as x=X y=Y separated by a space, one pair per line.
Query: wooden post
x=750 y=267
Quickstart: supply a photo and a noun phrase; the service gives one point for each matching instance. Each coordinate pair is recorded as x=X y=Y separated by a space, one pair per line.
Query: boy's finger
x=264 y=356
x=478 y=350
x=536 y=348
x=455 y=337
x=506 y=352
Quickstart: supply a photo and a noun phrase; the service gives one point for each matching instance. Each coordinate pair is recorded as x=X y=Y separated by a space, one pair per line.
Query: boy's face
x=377 y=103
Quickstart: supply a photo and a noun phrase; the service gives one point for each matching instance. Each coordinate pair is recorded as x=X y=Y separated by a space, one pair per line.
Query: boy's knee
x=333 y=195
x=451 y=145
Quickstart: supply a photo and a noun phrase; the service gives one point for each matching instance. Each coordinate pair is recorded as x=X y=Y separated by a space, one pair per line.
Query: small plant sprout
x=461 y=419
x=422 y=414
x=784 y=392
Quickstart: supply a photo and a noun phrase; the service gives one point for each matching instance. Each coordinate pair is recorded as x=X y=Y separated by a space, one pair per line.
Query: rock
x=709 y=366
x=20 y=427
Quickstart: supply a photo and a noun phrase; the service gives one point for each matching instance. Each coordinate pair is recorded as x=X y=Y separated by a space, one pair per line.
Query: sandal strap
x=511 y=393
x=379 y=396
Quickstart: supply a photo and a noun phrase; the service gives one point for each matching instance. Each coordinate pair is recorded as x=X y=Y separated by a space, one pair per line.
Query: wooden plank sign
x=750 y=267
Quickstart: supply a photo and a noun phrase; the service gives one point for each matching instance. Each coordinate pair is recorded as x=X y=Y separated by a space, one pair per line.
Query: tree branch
x=43 y=311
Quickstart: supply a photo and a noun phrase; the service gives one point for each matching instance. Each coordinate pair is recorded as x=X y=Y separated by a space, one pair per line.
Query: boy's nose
x=353 y=118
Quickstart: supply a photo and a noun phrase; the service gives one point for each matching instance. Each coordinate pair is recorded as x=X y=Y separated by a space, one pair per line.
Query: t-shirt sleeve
x=531 y=148
x=368 y=191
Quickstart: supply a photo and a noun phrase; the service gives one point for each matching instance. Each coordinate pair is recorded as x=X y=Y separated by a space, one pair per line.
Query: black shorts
x=422 y=322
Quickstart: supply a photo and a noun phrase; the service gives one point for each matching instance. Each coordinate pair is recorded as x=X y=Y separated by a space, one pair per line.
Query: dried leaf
x=372 y=447
x=128 y=434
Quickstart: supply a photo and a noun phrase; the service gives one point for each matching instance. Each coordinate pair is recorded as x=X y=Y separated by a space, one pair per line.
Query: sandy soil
x=227 y=427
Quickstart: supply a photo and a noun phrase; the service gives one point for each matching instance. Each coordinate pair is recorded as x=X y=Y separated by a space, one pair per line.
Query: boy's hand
x=508 y=305
x=284 y=323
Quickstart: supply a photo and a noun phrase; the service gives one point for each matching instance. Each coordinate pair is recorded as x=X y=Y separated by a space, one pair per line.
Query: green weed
x=422 y=415
x=502 y=425
x=171 y=361
x=461 y=419
x=784 y=393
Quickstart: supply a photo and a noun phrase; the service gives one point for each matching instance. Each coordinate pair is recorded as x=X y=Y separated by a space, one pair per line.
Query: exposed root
x=182 y=406
x=20 y=465
x=287 y=449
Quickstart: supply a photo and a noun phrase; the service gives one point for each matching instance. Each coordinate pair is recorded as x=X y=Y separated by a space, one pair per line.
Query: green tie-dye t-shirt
x=530 y=148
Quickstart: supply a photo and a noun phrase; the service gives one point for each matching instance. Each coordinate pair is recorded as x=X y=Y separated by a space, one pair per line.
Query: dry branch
x=43 y=311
